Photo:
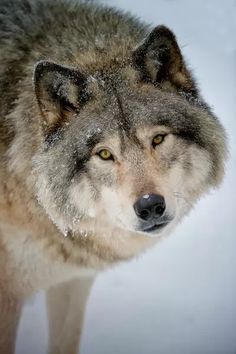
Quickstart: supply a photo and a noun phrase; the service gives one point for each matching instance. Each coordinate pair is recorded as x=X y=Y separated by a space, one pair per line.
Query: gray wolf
x=105 y=144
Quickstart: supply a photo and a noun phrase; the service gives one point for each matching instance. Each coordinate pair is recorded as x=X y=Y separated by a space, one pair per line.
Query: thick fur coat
x=99 y=117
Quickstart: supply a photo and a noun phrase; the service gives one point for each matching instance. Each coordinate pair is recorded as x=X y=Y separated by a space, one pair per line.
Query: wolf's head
x=132 y=146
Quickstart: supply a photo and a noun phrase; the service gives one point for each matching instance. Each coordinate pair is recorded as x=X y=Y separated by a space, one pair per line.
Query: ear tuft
x=60 y=91
x=159 y=60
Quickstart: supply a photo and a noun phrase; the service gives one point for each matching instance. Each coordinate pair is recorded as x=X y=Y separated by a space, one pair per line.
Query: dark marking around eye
x=79 y=161
x=78 y=164
x=186 y=128
x=53 y=137
x=92 y=140
x=190 y=137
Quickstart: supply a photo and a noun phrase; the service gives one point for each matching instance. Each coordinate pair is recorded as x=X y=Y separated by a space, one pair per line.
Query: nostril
x=159 y=210
x=144 y=214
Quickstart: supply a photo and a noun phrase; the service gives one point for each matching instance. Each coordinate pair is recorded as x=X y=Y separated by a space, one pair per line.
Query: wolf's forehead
x=154 y=108
x=125 y=112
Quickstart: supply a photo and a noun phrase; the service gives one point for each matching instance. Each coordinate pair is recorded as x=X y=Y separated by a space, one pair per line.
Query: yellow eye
x=157 y=140
x=105 y=154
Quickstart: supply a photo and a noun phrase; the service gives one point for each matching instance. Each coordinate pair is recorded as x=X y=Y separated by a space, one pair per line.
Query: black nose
x=150 y=206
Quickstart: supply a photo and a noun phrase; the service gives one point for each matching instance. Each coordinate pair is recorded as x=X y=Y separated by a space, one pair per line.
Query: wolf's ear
x=60 y=92
x=159 y=60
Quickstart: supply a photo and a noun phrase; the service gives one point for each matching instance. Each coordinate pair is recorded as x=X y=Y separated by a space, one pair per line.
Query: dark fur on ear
x=159 y=60
x=60 y=92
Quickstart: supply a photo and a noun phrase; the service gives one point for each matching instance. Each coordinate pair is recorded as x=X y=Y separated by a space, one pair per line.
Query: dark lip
x=156 y=227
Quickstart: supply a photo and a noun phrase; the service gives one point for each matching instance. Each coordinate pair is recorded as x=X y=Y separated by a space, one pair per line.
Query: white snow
x=180 y=298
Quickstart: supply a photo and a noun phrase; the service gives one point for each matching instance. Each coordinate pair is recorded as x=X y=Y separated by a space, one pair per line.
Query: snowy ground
x=180 y=298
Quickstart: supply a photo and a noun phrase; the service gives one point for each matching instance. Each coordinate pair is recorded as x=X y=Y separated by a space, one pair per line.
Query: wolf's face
x=132 y=148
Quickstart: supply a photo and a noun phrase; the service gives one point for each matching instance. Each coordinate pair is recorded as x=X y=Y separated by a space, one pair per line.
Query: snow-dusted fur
x=78 y=78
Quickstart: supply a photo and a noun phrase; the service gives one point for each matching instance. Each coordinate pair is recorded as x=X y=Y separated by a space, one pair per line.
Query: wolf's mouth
x=155 y=227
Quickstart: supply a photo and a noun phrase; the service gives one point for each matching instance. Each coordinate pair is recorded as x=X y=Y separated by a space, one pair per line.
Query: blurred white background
x=179 y=298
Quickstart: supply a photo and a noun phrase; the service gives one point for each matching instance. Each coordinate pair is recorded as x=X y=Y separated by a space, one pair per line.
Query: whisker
x=178 y=195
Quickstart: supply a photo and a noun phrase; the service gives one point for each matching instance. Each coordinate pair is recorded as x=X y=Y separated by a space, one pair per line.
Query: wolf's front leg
x=66 y=306
x=10 y=309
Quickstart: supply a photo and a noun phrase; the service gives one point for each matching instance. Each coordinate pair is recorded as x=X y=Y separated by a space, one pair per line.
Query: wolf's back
x=63 y=31
x=24 y=23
